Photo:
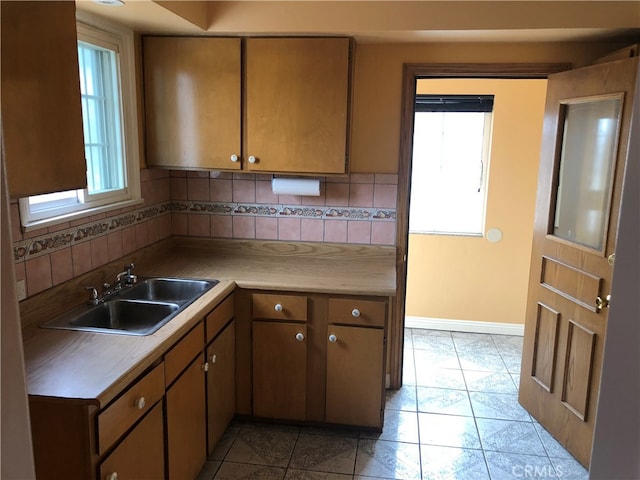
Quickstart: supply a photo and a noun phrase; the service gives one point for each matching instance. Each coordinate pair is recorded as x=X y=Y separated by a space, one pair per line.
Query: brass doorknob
x=601 y=303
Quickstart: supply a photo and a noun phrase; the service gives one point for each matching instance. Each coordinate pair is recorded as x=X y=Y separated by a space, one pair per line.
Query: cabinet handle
x=214 y=358
x=252 y=159
x=333 y=338
x=355 y=312
x=234 y=158
x=299 y=337
x=112 y=476
x=140 y=404
x=205 y=367
x=278 y=307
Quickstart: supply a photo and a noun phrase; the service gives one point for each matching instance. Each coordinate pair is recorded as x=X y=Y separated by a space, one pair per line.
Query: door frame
x=411 y=73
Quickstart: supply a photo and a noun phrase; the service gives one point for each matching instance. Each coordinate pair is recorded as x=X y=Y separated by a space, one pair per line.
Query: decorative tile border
x=296 y=211
x=51 y=242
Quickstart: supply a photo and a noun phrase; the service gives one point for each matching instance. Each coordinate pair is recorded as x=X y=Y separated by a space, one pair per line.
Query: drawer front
x=127 y=409
x=357 y=312
x=180 y=356
x=217 y=319
x=280 y=307
x=141 y=453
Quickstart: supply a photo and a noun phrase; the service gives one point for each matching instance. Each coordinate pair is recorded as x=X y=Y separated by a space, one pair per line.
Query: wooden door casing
x=564 y=330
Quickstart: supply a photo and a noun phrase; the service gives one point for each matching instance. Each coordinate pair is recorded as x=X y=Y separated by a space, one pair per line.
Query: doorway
x=470 y=231
x=411 y=75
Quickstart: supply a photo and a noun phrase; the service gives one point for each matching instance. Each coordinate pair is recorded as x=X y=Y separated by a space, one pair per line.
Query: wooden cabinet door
x=221 y=386
x=41 y=112
x=355 y=375
x=186 y=423
x=192 y=102
x=297 y=94
x=141 y=453
x=279 y=370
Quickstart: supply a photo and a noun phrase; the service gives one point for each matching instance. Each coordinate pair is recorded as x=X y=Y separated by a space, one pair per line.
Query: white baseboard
x=464 y=325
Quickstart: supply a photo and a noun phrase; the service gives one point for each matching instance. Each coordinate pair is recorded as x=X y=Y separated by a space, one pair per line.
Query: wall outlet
x=21 y=290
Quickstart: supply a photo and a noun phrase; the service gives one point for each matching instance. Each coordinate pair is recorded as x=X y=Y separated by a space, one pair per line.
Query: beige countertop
x=95 y=367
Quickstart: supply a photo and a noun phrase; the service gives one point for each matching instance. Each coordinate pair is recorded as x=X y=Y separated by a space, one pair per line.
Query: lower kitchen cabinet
x=154 y=428
x=355 y=359
x=279 y=370
x=221 y=392
x=314 y=357
x=186 y=408
x=141 y=453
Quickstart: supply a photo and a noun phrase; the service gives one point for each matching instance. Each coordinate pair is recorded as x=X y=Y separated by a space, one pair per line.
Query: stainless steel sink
x=137 y=310
x=173 y=290
x=126 y=316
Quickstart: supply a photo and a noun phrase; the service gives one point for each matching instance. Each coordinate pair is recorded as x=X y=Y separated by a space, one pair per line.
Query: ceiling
x=388 y=21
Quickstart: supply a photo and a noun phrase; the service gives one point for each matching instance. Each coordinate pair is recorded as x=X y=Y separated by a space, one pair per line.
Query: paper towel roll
x=308 y=187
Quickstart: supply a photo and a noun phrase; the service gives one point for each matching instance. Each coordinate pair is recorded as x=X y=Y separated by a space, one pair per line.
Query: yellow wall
x=377 y=91
x=470 y=278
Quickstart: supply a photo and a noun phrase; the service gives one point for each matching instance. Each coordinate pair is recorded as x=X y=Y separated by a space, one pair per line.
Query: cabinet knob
x=234 y=158
x=140 y=404
x=333 y=338
x=299 y=337
x=252 y=159
x=278 y=307
x=214 y=358
x=205 y=367
x=355 y=312
x=112 y=476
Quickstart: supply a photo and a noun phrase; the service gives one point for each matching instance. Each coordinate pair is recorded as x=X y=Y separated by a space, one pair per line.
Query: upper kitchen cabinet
x=297 y=104
x=192 y=102
x=41 y=110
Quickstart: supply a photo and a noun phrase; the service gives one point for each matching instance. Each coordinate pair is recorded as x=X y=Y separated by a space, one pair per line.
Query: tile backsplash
x=360 y=208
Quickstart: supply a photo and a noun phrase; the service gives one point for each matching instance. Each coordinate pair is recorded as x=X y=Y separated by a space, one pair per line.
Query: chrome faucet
x=126 y=278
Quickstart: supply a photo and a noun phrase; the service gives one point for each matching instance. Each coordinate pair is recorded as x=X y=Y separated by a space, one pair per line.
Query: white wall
x=15 y=440
x=616 y=442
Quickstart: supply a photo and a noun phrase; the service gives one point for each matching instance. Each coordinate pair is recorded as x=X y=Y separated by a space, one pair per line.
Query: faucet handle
x=94 y=299
x=129 y=267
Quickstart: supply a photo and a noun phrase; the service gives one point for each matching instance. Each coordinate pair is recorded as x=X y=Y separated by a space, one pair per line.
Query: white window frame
x=96 y=31
x=483 y=185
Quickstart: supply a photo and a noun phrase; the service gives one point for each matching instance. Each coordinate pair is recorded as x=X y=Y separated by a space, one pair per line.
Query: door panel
x=545 y=347
x=583 y=158
x=577 y=369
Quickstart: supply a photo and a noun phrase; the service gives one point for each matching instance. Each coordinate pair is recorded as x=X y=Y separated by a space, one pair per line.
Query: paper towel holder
x=307 y=187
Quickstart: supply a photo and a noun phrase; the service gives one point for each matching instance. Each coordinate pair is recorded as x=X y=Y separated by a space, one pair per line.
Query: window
x=451 y=142
x=107 y=88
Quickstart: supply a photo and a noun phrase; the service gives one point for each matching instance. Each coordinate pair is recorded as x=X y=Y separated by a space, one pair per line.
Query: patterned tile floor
x=456 y=417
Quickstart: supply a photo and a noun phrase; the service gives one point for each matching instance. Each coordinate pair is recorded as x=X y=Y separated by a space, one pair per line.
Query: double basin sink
x=137 y=310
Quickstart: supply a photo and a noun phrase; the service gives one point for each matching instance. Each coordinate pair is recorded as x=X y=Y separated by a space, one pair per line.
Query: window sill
x=49 y=222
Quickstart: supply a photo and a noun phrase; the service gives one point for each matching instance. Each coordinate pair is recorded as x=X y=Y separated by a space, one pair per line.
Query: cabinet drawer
x=141 y=453
x=181 y=355
x=127 y=409
x=280 y=307
x=217 y=319
x=357 y=312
